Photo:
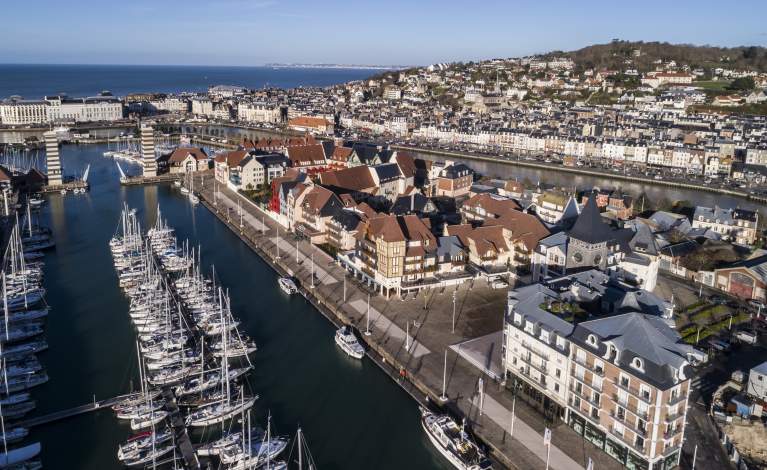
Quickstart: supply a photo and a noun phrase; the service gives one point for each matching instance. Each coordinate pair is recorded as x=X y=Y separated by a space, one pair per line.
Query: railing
x=670 y=418
x=628 y=424
x=677 y=399
x=633 y=410
x=647 y=398
x=538 y=353
x=672 y=433
x=584 y=396
x=600 y=371
x=590 y=385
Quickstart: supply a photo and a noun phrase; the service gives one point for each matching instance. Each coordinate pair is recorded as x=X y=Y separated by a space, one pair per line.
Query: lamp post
x=455 y=293
x=367 y=327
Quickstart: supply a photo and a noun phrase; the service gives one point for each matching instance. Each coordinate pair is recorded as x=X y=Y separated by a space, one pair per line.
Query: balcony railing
x=670 y=418
x=645 y=397
x=600 y=371
x=537 y=352
x=677 y=399
x=672 y=433
x=628 y=424
x=584 y=395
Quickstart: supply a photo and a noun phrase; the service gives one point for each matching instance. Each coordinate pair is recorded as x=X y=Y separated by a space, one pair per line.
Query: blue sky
x=253 y=32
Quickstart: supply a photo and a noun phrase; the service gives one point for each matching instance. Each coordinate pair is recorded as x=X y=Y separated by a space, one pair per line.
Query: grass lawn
x=718 y=85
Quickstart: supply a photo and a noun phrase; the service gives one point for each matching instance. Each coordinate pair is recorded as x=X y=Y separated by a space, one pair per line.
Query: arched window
x=592 y=340
x=638 y=364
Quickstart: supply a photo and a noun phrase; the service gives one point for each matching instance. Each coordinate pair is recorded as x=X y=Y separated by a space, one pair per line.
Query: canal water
x=353 y=416
x=582 y=182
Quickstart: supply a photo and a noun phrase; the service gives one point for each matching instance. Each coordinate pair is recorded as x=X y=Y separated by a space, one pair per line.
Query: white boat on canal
x=347 y=341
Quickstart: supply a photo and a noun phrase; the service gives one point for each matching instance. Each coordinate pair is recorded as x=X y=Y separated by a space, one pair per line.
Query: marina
x=295 y=350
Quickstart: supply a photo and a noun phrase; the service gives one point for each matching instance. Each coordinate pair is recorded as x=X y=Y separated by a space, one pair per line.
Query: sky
x=391 y=32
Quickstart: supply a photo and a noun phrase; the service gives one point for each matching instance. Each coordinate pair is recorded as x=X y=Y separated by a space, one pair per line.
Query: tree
x=742 y=84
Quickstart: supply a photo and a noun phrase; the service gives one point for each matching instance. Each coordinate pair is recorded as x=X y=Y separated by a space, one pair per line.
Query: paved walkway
x=288 y=249
x=477 y=320
x=484 y=353
x=526 y=435
x=380 y=323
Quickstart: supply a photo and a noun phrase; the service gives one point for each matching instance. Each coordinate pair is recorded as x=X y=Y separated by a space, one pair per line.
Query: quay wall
x=387 y=362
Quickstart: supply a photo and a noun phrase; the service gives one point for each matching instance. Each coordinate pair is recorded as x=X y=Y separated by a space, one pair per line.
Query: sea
x=34 y=81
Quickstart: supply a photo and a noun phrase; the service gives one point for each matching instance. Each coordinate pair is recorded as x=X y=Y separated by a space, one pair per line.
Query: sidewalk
x=425 y=322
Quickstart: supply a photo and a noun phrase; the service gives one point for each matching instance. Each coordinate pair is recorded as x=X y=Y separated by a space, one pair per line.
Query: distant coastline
x=338 y=66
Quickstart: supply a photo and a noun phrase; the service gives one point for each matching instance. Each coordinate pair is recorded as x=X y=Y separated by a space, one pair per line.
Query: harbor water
x=352 y=414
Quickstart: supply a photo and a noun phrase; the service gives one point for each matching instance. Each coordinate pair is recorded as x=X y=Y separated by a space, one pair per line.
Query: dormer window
x=637 y=364
x=592 y=340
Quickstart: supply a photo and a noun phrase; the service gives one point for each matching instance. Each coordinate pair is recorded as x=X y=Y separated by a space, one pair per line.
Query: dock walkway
x=68 y=413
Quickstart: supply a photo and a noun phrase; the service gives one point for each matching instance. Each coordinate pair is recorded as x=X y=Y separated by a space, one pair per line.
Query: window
x=595 y=412
x=558 y=373
x=599 y=367
x=577 y=403
x=639 y=442
x=556 y=388
x=620 y=413
x=592 y=340
x=637 y=364
x=624 y=381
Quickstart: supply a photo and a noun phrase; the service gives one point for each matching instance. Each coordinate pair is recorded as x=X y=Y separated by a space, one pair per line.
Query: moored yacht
x=347 y=341
x=287 y=285
x=453 y=442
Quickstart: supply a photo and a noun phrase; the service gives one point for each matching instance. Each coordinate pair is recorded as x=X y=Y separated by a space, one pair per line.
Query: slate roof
x=589 y=227
x=634 y=335
x=387 y=172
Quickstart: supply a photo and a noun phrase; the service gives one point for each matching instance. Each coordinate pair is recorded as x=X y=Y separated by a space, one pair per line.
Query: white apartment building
x=16 y=112
x=258 y=112
x=202 y=107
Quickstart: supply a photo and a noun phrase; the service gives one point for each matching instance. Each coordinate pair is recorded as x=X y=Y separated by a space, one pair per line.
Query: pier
x=68 y=413
x=71 y=186
x=139 y=180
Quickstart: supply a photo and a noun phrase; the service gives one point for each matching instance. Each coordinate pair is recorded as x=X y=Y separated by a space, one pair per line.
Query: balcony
x=588 y=384
x=538 y=353
x=677 y=399
x=645 y=397
x=628 y=424
x=600 y=371
x=672 y=433
x=584 y=396
x=670 y=418
x=631 y=409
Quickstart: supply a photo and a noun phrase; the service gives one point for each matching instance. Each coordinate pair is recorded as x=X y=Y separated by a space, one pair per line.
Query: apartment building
x=454 y=180
x=630 y=382
x=737 y=225
x=621 y=380
x=394 y=253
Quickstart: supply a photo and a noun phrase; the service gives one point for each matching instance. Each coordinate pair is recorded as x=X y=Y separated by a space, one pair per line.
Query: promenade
x=411 y=340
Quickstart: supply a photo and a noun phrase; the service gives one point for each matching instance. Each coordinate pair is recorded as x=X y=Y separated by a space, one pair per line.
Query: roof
x=406 y=164
x=308 y=121
x=387 y=172
x=589 y=227
x=232 y=159
x=412 y=203
x=321 y=201
x=497 y=206
x=358 y=178
x=524 y=227
x=640 y=335
x=181 y=153
x=306 y=155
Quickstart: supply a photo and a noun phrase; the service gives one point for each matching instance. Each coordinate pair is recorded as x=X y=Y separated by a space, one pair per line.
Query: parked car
x=499 y=284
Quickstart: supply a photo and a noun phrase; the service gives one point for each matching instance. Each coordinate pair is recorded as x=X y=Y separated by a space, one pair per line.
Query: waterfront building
x=147 y=151
x=482 y=207
x=16 y=111
x=314 y=125
x=202 y=107
x=737 y=225
x=454 y=180
x=187 y=160
x=621 y=380
x=259 y=112
x=317 y=207
x=104 y=107
x=395 y=254
x=52 y=160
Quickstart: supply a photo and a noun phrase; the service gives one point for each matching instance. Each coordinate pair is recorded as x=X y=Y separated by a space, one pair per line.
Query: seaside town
x=567 y=327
